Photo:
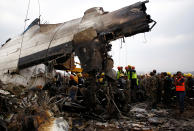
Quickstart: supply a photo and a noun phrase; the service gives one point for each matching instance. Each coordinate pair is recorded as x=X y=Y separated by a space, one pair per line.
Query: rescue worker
x=167 y=89
x=120 y=94
x=190 y=85
x=134 y=83
x=120 y=70
x=127 y=72
x=127 y=90
x=122 y=81
x=141 y=88
x=73 y=83
x=173 y=89
x=180 y=90
x=73 y=80
x=152 y=90
x=102 y=80
x=59 y=79
x=158 y=86
x=80 y=79
x=81 y=85
x=154 y=71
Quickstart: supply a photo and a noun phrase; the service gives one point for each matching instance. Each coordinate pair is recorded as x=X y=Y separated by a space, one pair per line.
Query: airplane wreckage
x=29 y=59
x=88 y=38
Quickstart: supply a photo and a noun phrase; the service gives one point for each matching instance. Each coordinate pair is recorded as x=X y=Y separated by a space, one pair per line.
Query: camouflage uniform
x=152 y=90
x=161 y=85
x=141 y=89
x=128 y=91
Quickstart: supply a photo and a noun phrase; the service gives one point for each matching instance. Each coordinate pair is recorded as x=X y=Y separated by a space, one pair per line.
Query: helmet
x=71 y=77
x=189 y=75
x=100 y=80
x=121 y=67
x=179 y=73
x=154 y=70
x=133 y=67
x=121 y=75
x=118 y=67
x=79 y=75
x=168 y=73
x=102 y=74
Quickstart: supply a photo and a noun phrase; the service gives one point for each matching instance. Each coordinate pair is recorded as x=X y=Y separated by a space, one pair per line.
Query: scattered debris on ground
x=36 y=109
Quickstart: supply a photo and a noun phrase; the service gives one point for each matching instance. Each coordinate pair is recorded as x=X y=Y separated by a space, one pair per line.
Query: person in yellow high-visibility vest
x=120 y=70
x=134 y=76
x=134 y=83
x=102 y=80
x=127 y=72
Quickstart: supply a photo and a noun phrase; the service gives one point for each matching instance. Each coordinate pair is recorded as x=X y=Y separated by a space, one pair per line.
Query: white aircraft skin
x=45 y=42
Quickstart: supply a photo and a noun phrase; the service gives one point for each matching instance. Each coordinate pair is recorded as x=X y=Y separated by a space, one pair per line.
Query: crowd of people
x=158 y=88
x=155 y=88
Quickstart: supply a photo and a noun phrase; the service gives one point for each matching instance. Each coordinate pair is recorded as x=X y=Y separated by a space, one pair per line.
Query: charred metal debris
x=51 y=101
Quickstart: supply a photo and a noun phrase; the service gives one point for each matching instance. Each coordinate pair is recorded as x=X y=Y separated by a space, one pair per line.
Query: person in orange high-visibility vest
x=180 y=90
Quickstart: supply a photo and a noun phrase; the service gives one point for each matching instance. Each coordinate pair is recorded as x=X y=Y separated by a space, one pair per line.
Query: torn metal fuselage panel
x=88 y=37
x=92 y=44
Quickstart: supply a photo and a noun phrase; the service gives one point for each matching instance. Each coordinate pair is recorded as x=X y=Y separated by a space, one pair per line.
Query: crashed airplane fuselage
x=88 y=37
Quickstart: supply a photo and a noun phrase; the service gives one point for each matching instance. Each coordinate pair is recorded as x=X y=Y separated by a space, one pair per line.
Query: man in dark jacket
x=167 y=89
x=190 y=86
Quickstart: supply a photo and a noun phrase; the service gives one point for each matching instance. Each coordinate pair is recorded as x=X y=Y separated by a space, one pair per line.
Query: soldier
x=159 y=87
x=128 y=91
x=189 y=85
x=141 y=88
x=152 y=89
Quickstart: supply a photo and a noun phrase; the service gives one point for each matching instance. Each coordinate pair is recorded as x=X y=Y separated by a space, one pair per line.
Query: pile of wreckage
x=31 y=99
x=51 y=108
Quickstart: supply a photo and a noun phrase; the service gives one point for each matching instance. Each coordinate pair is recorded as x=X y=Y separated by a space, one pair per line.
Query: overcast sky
x=168 y=47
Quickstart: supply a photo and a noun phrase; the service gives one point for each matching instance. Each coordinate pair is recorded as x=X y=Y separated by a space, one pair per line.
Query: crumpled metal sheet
x=46 y=42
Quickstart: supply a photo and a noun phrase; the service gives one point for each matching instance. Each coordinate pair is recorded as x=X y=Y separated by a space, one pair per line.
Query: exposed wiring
x=126 y=54
x=26 y=19
x=39 y=10
x=145 y=39
x=50 y=45
x=121 y=44
x=119 y=56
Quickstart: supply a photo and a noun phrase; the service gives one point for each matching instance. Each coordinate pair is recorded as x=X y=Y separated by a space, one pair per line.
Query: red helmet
x=71 y=77
x=121 y=67
x=118 y=67
x=133 y=67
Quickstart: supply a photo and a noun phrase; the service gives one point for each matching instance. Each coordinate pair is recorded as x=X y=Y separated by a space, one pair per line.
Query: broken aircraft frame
x=88 y=37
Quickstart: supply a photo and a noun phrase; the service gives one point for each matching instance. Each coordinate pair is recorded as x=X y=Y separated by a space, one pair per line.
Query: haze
x=168 y=47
